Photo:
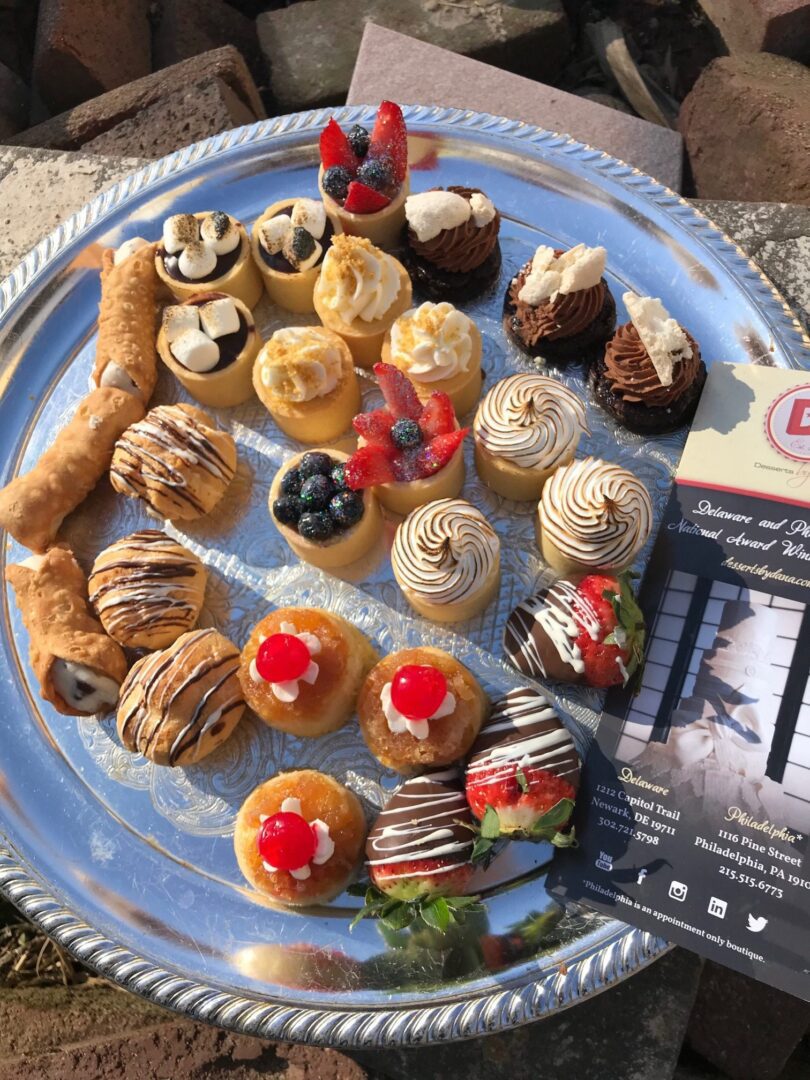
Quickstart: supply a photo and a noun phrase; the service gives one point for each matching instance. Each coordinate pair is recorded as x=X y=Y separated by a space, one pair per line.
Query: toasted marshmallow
x=129 y=247
x=195 y=351
x=274 y=232
x=177 y=318
x=292 y=253
x=219 y=317
x=197 y=261
x=309 y=214
x=178 y=231
x=220 y=232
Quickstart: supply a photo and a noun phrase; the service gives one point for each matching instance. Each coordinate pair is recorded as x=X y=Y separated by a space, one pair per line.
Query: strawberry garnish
x=389 y=139
x=398 y=391
x=438 y=415
x=617 y=654
x=521 y=795
x=368 y=466
x=361 y=199
x=335 y=148
x=438 y=451
x=375 y=427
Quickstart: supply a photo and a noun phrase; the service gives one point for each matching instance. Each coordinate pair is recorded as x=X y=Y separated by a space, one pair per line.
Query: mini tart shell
x=343 y=548
x=242 y=281
x=464 y=389
x=324 y=418
x=345 y=659
x=402 y=496
x=320 y=797
x=449 y=738
x=563 y=564
x=365 y=339
x=291 y=291
x=461 y=610
x=382 y=228
x=232 y=385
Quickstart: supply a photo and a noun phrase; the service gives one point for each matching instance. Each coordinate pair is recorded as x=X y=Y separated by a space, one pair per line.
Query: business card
x=694 y=815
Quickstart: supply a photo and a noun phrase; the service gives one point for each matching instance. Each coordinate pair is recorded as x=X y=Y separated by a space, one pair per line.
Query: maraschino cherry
x=417 y=691
x=286 y=841
x=282 y=658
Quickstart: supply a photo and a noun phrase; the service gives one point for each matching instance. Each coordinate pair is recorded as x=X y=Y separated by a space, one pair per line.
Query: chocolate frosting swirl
x=631 y=374
x=463 y=248
x=564 y=316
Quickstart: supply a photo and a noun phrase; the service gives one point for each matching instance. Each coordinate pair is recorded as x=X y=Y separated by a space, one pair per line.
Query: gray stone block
x=185 y=28
x=14 y=103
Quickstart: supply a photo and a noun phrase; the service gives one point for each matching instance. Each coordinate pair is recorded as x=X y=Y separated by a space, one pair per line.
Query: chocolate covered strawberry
x=590 y=631
x=523 y=773
x=364 y=172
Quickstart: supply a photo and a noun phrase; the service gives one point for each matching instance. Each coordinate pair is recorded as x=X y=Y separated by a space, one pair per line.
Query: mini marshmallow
x=431 y=212
x=197 y=261
x=482 y=209
x=293 y=259
x=220 y=232
x=274 y=232
x=309 y=214
x=129 y=247
x=177 y=318
x=196 y=351
x=219 y=317
x=178 y=231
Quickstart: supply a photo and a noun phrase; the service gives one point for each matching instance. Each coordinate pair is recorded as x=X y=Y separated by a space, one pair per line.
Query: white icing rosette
x=358 y=280
x=433 y=342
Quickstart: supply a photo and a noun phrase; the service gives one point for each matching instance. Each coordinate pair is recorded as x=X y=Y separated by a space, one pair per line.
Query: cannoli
x=125 y=351
x=33 y=506
x=79 y=667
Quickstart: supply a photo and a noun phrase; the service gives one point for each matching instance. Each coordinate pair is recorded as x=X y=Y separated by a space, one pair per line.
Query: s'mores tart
x=322 y=519
x=288 y=243
x=302 y=669
x=363 y=178
x=651 y=375
x=420 y=708
x=453 y=251
x=176 y=460
x=446 y=559
x=593 y=515
x=207 y=251
x=527 y=426
x=558 y=306
x=439 y=348
x=178 y=705
x=299 y=837
x=305 y=378
x=359 y=293
x=147 y=589
x=209 y=343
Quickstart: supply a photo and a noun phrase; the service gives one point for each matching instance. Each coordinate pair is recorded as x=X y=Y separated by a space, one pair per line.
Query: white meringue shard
x=662 y=337
x=580 y=268
x=431 y=212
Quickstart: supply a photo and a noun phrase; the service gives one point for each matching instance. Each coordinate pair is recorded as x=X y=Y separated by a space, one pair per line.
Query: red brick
x=775 y=26
x=185 y=28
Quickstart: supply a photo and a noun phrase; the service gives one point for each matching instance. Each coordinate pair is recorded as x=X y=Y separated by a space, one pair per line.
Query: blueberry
x=315 y=463
x=359 y=140
x=287 y=509
x=316 y=491
x=338 y=475
x=375 y=174
x=346 y=508
x=317 y=526
x=336 y=180
x=406 y=434
x=291 y=482
x=302 y=244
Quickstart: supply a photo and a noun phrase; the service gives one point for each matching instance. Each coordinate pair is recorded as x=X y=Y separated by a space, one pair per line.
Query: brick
x=746 y=125
x=186 y=116
x=185 y=28
x=311 y=48
x=71 y=130
x=774 y=26
x=13 y=103
x=84 y=49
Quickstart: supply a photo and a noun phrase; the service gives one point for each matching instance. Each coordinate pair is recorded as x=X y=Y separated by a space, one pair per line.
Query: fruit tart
x=299 y=837
x=207 y=251
x=289 y=241
x=420 y=708
x=409 y=452
x=363 y=178
x=302 y=669
x=523 y=773
x=324 y=521
x=586 y=631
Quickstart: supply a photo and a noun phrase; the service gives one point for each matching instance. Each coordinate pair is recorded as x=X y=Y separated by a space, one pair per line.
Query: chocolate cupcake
x=558 y=306
x=651 y=376
x=452 y=242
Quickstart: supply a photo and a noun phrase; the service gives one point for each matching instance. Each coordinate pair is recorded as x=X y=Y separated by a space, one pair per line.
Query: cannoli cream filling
x=83 y=688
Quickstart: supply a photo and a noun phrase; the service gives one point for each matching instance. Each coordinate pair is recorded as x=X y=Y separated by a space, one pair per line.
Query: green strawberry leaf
x=565 y=839
x=358 y=888
x=490 y=824
x=557 y=815
x=523 y=783
x=436 y=913
x=482 y=850
x=399 y=916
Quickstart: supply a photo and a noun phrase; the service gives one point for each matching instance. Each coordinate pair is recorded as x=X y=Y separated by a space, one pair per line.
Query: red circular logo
x=787 y=424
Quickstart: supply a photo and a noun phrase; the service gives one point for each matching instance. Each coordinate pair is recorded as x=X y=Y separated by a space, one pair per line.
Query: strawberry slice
x=390 y=139
x=521 y=795
x=336 y=149
x=439 y=450
x=438 y=415
x=422 y=877
x=398 y=391
x=375 y=428
x=619 y=651
x=368 y=466
x=361 y=199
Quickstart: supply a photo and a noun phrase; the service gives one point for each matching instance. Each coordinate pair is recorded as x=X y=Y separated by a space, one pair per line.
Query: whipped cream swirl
x=432 y=342
x=358 y=280
x=596 y=513
x=445 y=551
x=300 y=363
x=531 y=420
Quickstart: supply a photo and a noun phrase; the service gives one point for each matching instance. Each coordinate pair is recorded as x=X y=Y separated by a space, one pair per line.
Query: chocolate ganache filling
x=563 y=317
x=277 y=261
x=460 y=249
x=630 y=372
x=230 y=345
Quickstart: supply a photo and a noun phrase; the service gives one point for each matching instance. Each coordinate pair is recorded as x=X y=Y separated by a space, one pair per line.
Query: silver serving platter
x=130 y=866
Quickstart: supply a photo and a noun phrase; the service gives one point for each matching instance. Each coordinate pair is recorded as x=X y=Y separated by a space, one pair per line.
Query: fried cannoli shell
x=51 y=593
x=33 y=506
x=126 y=323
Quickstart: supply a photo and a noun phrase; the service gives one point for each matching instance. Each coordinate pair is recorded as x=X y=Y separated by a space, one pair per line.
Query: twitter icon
x=756 y=923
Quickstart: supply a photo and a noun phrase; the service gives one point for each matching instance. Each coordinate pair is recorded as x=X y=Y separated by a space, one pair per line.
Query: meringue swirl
x=531 y=420
x=596 y=513
x=445 y=551
x=358 y=280
x=432 y=342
